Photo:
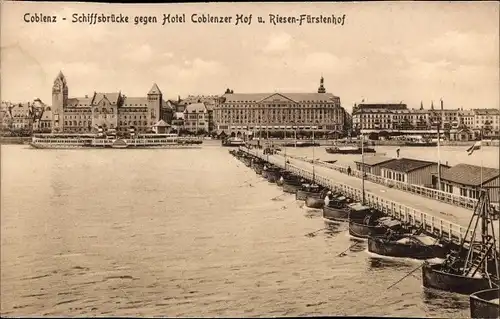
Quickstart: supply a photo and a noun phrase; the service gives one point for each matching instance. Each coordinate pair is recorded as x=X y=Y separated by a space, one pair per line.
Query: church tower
x=321 y=88
x=155 y=99
x=59 y=102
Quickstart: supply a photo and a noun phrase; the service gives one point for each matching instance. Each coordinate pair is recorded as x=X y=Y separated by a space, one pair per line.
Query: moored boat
x=420 y=144
x=485 y=304
x=291 y=185
x=349 y=150
x=475 y=265
x=336 y=209
x=315 y=201
x=358 y=212
x=363 y=230
x=290 y=188
x=273 y=175
x=301 y=144
x=307 y=190
x=419 y=141
x=233 y=142
x=439 y=277
x=406 y=246
x=370 y=225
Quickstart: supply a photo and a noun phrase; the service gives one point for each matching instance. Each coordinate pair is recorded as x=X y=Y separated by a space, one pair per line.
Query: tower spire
x=321 y=88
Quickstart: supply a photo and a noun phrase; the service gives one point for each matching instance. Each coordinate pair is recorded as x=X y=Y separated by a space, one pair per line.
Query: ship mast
x=362 y=161
x=483 y=250
x=313 y=155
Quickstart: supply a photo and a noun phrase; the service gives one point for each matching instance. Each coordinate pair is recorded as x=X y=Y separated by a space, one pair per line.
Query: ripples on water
x=182 y=233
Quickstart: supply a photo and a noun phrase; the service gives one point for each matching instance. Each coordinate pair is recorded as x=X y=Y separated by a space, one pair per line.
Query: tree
x=201 y=131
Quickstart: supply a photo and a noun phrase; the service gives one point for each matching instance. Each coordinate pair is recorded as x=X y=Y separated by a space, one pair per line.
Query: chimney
x=441 y=104
x=86 y=96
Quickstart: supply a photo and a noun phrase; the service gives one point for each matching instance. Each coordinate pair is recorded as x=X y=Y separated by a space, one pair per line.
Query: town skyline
x=416 y=52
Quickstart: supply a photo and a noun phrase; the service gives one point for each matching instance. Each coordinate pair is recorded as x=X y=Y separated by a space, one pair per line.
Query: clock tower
x=59 y=101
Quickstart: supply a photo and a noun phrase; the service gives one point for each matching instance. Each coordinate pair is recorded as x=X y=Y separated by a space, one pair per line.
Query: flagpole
x=481 y=144
x=362 y=160
x=439 y=156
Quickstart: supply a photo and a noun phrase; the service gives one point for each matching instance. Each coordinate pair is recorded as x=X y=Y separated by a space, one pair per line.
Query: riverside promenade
x=438 y=218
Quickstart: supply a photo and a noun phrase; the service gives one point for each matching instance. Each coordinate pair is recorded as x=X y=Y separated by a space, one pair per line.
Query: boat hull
x=433 y=277
x=314 y=202
x=302 y=195
x=290 y=188
x=338 y=214
x=65 y=147
x=273 y=176
x=350 y=151
x=427 y=144
x=482 y=306
x=264 y=173
x=389 y=248
x=364 y=231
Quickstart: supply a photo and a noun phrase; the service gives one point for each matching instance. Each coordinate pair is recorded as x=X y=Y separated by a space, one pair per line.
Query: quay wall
x=7 y=140
x=434 y=226
x=329 y=142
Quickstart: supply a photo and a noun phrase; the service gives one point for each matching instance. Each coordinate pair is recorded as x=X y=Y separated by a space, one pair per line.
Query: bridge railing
x=439 y=227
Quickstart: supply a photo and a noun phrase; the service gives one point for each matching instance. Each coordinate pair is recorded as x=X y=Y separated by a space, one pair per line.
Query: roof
x=470 y=175
x=399 y=106
x=112 y=97
x=179 y=115
x=492 y=111
x=154 y=89
x=167 y=105
x=135 y=102
x=80 y=101
x=47 y=116
x=296 y=97
x=375 y=160
x=161 y=123
x=195 y=107
x=406 y=165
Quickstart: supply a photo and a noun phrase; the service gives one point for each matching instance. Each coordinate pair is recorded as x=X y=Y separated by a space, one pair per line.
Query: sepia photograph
x=241 y=160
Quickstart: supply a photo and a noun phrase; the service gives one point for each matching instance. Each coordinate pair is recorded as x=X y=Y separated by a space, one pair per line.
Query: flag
x=474 y=147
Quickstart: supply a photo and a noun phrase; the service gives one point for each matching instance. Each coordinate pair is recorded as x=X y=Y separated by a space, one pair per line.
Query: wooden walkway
x=438 y=218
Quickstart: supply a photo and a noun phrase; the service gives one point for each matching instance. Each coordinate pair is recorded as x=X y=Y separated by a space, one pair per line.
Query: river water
x=191 y=233
x=488 y=156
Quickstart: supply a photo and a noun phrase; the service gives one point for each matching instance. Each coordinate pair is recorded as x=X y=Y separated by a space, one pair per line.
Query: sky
x=384 y=53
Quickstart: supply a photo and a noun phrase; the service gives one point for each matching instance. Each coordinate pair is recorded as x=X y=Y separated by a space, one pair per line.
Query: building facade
x=465 y=180
x=411 y=171
x=372 y=164
x=252 y=112
x=456 y=124
x=106 y=111
x=196 y=118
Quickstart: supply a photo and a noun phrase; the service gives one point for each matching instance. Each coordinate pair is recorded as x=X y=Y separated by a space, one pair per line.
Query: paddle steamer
x=73 y=141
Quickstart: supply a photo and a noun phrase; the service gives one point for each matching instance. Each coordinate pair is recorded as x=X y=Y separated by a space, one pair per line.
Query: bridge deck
x=437 y=217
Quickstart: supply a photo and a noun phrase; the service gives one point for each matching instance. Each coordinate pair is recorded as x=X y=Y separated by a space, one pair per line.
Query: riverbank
x=10 y=140
x=322 y=142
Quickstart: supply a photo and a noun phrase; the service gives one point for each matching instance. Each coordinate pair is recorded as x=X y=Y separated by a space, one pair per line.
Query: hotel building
x=241 y=113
